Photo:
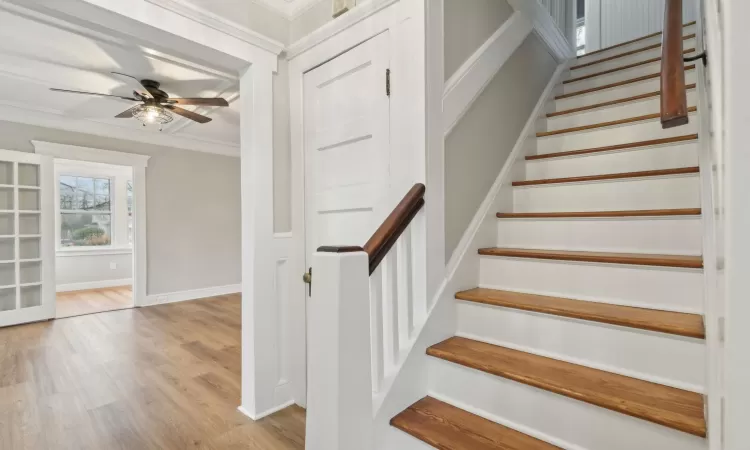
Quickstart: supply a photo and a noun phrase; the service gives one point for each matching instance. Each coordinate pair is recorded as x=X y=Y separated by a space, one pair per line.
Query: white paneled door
x=27 y=249
x=346 y=123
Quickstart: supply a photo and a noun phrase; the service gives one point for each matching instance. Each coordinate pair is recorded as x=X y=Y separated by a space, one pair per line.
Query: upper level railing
x=674 y=107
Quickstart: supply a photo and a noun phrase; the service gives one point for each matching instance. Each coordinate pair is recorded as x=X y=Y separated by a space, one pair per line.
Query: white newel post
x=339 y=408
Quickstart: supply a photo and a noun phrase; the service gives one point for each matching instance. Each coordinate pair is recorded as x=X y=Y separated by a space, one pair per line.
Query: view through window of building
x=581 y=40
x=85 y=211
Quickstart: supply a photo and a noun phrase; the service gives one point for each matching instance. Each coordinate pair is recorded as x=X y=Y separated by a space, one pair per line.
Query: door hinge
x=388 y=82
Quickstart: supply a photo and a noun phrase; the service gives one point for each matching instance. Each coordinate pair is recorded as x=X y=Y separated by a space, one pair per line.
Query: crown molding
x=211 y=20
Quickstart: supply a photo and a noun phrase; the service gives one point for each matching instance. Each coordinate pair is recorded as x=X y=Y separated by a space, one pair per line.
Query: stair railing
x=359 y=325
x=674 y=107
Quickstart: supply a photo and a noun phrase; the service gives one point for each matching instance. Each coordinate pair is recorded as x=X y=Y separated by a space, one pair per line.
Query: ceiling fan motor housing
x=153 y=88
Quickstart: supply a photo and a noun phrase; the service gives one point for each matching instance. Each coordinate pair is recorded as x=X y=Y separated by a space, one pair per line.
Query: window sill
x=93 y=251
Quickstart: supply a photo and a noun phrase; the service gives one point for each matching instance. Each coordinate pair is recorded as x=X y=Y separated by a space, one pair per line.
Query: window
x=129 y=188
x=85 y=211
x=581 y=38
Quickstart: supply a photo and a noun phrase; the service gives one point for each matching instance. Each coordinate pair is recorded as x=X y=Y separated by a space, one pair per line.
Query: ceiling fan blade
x=128 y=113
x=188 y=114
x=198 y=101
x=94 y=93
x=143 y=91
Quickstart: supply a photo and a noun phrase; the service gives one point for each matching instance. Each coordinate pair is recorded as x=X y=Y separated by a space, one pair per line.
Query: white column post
x=339 y=408
x=259 y=312
x=140 y=246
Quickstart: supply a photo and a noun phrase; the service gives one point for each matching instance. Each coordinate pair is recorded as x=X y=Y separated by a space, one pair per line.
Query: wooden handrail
x=674 y=108
x=394 y=225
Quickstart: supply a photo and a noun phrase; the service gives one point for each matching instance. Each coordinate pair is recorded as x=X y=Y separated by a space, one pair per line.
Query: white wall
x=193 y=208
x=610 y=22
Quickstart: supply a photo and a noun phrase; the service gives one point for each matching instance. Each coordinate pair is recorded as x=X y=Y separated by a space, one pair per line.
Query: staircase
x=586 y=330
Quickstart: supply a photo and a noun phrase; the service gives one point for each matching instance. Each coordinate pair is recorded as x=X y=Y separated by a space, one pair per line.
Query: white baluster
x=391 y=342
x=405 y=292
x=376 y=328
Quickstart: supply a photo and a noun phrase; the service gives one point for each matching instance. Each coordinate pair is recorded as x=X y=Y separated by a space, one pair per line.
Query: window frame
x=118 y=176
x=108 y=212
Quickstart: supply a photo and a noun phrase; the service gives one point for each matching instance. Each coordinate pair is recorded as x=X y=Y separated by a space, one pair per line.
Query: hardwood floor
x=91 y=301
x=163 y=377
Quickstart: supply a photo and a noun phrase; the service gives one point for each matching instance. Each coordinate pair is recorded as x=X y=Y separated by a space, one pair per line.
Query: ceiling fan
x=156 y=107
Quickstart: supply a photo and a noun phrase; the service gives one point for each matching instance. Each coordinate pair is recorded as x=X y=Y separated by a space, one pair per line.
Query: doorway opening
x=93 y=237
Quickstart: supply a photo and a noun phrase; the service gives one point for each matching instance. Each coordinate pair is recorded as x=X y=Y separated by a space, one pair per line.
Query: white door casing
x=27 y=233
x=138 y=163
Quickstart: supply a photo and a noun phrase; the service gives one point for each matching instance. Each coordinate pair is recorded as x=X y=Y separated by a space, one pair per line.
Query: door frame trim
x=405 y=22
x=138 y=163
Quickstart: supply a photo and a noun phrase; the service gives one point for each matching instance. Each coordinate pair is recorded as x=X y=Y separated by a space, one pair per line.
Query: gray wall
x=193 y=208
x=479 y=145
x=468 y=24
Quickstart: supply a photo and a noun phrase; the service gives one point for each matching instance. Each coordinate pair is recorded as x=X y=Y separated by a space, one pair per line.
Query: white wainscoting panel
x=618 y=21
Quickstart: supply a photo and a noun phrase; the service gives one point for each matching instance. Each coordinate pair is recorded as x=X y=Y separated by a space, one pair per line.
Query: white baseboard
x=194 y=294
x=265 y=413
x=94 y=285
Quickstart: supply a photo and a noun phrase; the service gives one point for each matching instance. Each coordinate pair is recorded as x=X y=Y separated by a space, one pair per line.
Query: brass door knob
x=307 y=278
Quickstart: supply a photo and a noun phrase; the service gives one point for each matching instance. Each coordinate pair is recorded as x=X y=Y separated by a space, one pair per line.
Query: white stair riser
x=630 y=47
x=616 y=93
x=666 y=288
x=613 y=135
x=610 y=113
x=665 y=359
x=626 y=60
x=680 y=191
x=668 y=235
x=628 y=160
x=390 y=438
x=614 y=77
x=577 y=425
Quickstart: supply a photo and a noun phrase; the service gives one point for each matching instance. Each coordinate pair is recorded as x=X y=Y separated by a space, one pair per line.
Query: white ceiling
x=37 y=53
x=288 y=8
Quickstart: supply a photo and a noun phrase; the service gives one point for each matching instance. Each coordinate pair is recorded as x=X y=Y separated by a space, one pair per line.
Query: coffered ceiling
x=38 y=52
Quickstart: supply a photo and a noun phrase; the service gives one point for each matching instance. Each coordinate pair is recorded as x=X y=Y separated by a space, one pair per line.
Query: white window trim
x=115 y=175
x=138 y=163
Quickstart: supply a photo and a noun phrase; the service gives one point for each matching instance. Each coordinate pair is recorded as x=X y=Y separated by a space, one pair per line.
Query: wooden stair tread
x=622 y=55
x=649 y=143
x=612 y=103
x=611 y=123
x=610 y=176
x=643 y=259
x=617 y=69
x=633 y=41
x=446 y=427
x=681 y=324
x=618 y=84
x=671 y=407
x=595 y=214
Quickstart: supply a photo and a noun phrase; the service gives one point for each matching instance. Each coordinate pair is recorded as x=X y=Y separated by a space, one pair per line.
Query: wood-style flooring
x=77 y=303
x=164 y=377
